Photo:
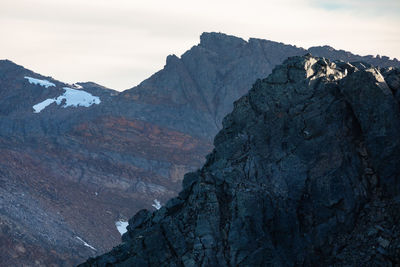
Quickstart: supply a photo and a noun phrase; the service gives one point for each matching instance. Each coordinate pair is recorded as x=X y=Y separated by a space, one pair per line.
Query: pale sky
x=119 y=43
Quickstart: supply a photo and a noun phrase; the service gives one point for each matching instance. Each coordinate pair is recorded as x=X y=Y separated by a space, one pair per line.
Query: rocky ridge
x=303 y=173
x=210 y=76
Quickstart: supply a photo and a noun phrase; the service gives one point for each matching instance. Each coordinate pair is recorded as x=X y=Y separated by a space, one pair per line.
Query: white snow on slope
x=72 y=98
x=121 y=226
x=44 y=83
x=157 y=204
x=77 y=86
x=85 y=244
x=39 y=107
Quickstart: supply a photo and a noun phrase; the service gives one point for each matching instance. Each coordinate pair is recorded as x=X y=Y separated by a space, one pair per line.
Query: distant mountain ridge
x=78 y=170
x=211 y=75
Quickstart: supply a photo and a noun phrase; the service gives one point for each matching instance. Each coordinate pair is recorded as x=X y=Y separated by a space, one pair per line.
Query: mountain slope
x=307 y=156
x=79 y=170
x=65 y=168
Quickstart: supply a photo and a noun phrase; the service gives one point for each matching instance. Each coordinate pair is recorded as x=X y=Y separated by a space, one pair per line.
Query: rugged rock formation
x=73 y=172
x=303 y=173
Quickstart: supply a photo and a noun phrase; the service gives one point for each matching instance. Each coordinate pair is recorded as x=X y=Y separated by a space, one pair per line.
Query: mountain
x=212 y=75
x=65 y=169
x=77 y=160
x=304 y=173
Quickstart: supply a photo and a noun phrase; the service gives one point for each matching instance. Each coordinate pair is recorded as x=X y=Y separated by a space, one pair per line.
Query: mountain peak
x=216 y=39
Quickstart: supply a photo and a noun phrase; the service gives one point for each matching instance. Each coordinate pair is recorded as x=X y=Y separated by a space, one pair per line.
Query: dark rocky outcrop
x=303 y=173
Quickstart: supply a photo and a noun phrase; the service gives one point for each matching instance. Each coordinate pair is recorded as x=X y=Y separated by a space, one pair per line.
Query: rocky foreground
x=303 y=173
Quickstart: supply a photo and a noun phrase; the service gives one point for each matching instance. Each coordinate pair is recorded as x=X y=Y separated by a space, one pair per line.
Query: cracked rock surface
x=303 y=173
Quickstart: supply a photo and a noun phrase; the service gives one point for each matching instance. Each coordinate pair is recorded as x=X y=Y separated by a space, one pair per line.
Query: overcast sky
x=119 y=43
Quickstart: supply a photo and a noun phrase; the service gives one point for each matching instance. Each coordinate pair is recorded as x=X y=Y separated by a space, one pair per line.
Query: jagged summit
x=218 y=42
x=172 y=59
x=296 y=173
x=211 y=38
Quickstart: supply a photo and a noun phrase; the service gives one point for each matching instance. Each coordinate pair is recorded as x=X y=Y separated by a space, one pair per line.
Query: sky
x=119 y=43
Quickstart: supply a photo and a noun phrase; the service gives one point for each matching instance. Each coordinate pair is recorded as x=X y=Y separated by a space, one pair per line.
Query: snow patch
x=85 y=244
x=121 y=226
x=157 y=204
x=72 y=98
x=42 y=105
x=44 y=83
x=77 y=86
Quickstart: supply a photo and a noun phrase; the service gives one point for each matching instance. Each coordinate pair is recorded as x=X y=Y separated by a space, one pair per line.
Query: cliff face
x=69 y=172
x=304 y=172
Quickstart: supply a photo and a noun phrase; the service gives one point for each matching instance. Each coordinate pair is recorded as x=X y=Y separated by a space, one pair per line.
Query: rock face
x=303 y=173
x=70 y=173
